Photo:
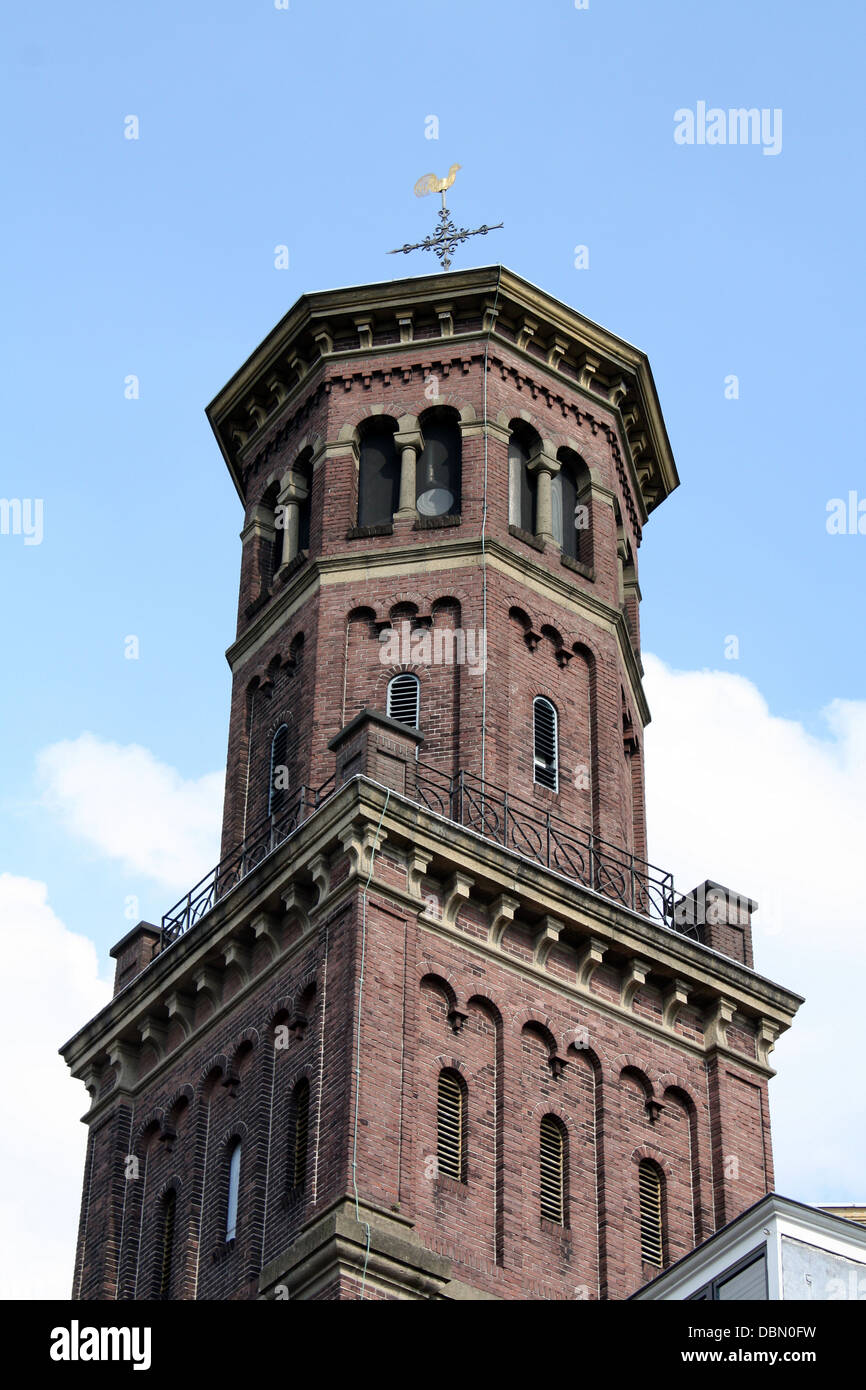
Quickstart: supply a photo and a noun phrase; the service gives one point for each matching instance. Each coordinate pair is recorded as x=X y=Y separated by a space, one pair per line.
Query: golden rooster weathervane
x=446 y=238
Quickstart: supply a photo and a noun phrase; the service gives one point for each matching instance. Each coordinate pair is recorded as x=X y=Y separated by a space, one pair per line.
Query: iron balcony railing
x=511 y=821
x=266 y=837
x=534 y=832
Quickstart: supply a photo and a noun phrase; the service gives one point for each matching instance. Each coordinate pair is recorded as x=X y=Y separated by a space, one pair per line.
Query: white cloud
x=133 y=808
x=758 y=803
x=49 y=986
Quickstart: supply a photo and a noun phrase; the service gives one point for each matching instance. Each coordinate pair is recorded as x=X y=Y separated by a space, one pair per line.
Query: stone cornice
x=557 y=342
x=471 y=864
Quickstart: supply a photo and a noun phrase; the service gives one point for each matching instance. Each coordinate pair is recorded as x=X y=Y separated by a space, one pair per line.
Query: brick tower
x=434 y=1027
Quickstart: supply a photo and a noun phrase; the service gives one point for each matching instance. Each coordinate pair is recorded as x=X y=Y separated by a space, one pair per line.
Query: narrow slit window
x=552 y=1170
x=300 y=1136
x=404 y=698
x=169 y=1213
x=234 y=1185
x=278 y=793
x=451 y=1127
x=545 y=744
x=651 y=1234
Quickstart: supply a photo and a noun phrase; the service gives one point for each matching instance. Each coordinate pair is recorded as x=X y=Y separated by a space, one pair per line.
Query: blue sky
x=306 y=127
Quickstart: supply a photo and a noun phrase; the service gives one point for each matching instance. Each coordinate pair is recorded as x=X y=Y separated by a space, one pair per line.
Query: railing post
x=592 y=859
x=505 y=818
x=303 y=803
x=460 y=794
x=633 y=903
x=547 y=849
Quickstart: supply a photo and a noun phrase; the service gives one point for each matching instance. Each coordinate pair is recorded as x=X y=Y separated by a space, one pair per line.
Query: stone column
x=545 y=468
x=410 y=443
x=293 y=492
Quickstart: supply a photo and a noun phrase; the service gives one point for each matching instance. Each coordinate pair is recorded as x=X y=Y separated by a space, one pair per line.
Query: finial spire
x=447 y=237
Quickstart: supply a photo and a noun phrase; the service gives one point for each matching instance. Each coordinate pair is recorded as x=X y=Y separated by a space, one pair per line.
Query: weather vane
x=446 y=238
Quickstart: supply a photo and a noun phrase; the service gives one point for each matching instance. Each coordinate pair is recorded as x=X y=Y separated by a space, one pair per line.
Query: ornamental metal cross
x=447 y=237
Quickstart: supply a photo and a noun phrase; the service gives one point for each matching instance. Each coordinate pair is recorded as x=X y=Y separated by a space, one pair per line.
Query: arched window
x=545 y=735
x=570 y=497
x=552 y=1164
x=404 y=699
x=299 y=1135
x=279 y=773
x=169 y=1213
x=304 y=467
x=273 y=548
x=651 y=1226
x=451 y=1127
x=234 y=1187
x=437 y=476
x=522 y=485
x=378 y=473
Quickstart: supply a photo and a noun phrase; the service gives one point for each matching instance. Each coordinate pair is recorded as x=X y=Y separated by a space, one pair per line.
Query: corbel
x=457 y=890
x=364 y=326
x=589 y=958
x=526 y=333
x=445 y=314
x=765 y=1040
x=154 y=1031
x=716 y=1021
x=500 y=916
x=417 y=864
x=298 y=365
x=277 y=388
x=547 y=935
x=257 y=411
x=589 y=366
x=457 y=1018
x=265 y=927
x=324 y=340
x=236 y=953
x=491 y=314
x=406 y=327
x=359 y=841
x=618 y=392
x=557 y=347
x=557 y=1065
x=208 y=981
x=653 y=1109
x=675 y=997
x=634 y=975
x=296 y=903
x=123 y=1057
x=181 y=1009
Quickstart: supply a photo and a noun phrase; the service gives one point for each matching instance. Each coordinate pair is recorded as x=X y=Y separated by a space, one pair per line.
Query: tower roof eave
x=554 y=337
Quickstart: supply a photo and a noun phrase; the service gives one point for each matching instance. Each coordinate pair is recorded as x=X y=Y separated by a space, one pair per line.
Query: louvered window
x=552 y=1170
x=234 y=1185
x=404 y=699
x=545 y=744
x=451 y=1127
x=278 y=783
x=301 y=1134
x=650 y=1186
x=168 y=1225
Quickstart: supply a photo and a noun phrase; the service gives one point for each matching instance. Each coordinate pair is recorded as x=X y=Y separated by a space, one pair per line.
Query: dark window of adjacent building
x=651 y=1228
x=278 y=793
x=169 y=1217
x=300 y=1134
x=437 y=476
x=746 y=1281
x=522 y=485
x=233 y=1187
x=451 y=1127
x=378 y=473
x=545 y=735
x=552 y=1158
x=404 y=698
